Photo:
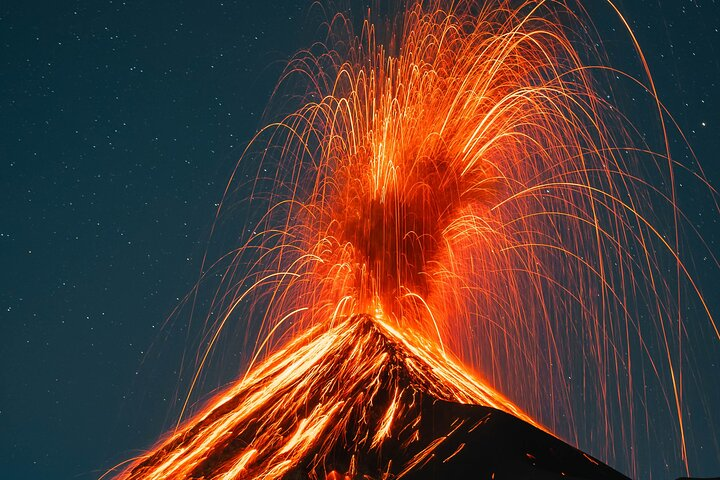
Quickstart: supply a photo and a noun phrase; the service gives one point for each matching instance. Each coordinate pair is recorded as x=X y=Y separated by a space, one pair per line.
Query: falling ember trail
x=456 y=213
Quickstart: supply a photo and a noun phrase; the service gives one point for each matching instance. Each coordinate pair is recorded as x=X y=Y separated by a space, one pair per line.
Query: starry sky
x=121 y=122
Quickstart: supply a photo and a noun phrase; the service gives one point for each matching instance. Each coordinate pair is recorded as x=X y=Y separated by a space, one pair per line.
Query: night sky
x=121 y=122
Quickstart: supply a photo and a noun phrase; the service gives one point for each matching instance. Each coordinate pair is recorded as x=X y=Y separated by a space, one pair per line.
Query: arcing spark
x=468 y=185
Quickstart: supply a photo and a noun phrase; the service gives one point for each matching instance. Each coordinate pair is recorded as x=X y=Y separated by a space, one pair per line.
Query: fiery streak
x=463 y=186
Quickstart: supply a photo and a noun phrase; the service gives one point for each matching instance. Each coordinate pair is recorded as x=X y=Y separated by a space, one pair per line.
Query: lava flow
x=363 y=399
x=458 y=210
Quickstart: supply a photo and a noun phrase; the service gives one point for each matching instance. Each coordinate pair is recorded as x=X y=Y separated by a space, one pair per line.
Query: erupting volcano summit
x=458 y=252
x=361 y=401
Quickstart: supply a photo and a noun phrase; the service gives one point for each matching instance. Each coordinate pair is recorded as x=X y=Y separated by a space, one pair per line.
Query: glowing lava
x=357 y=384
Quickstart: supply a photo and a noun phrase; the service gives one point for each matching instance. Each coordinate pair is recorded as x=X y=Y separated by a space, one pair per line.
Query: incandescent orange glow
x=308 y=395
x=466 y=188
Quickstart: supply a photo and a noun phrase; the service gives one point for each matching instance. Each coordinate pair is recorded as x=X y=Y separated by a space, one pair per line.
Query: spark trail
x=457 y=179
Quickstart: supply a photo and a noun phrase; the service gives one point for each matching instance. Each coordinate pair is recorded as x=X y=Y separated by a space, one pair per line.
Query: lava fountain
x=459 y=211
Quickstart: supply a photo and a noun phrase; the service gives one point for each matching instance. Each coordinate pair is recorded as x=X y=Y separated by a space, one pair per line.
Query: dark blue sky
x=121 y=122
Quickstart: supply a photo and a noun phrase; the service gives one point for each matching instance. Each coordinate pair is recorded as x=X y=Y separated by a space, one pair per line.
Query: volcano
x=360 y=399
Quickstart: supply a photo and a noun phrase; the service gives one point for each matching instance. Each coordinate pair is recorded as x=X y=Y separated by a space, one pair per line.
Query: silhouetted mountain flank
x=439 y=439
